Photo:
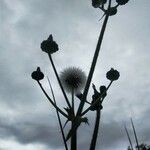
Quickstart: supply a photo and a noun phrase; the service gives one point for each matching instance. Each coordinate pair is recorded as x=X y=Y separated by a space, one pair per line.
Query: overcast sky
x=27 y=120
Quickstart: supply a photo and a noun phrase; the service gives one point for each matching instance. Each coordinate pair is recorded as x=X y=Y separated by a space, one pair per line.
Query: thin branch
x=128 y=136
x=101 y=8
x=58 y=79
x=96 y=129
x=80 y=98
x=58 y=116
x=99 y=43
x=73 y=101
x=102 y=17
x=73 y=137
x=117 y=5
x=86 y=102
x=50 y=100
x=135 y=135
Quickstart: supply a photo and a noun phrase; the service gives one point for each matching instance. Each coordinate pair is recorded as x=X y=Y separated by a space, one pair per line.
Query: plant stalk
x=128 y=137
x=96 y=129
x=73 y=138
x=74 y=135
x=99 y=43
x=50 y=100
x=73 y=101
x=58 y=79
x=58 y=116
x=135 y=135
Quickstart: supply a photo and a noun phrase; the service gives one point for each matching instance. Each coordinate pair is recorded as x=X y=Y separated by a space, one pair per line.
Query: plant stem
x=73 y=101
x=74 y=135
x=99 y=43
x=58 y=116
x=87 y=102
x=50 y=100
x=128 y=137
x=135 y=135
x=96 y=129
x=73 y=138
x=58 y=79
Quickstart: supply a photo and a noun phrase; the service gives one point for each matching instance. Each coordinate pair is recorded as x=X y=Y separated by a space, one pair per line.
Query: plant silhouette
x=138 y=146
x=73 y=79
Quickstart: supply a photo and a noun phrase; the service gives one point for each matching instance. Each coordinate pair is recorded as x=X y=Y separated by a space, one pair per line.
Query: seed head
x=37 y=75
x=73 y=79
x=49 y=46
x=122 y=2
x=112 y=75
x=97 y=3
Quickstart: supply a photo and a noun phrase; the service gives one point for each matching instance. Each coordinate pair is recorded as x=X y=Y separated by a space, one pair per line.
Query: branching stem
x=73 y=101
x=58 y=116
x=135 y=135
x=99 y=43
x=128 y=137
x=58 y=79
x=96 y=129
x=50 y=100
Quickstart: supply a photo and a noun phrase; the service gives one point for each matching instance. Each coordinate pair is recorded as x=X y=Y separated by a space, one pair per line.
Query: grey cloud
x=38 y=131
x=75 y=27
x=30 y=132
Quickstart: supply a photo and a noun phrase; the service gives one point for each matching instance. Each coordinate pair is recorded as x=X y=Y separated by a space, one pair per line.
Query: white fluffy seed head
x=73 y=78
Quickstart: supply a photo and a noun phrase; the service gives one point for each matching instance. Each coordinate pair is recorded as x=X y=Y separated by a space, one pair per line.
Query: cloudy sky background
x=27 y=120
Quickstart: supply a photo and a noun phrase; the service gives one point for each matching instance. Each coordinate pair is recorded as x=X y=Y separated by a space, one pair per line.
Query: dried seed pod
x=49 y=46
x=112 y=75
x=122 y=2
x=37 y=75
x=98 y=3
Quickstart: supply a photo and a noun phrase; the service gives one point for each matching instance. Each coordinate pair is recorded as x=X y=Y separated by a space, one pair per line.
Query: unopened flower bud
x=37 y=75
x=112 y=75
x=97 y=3
x=49 y=46
x=122 y=2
